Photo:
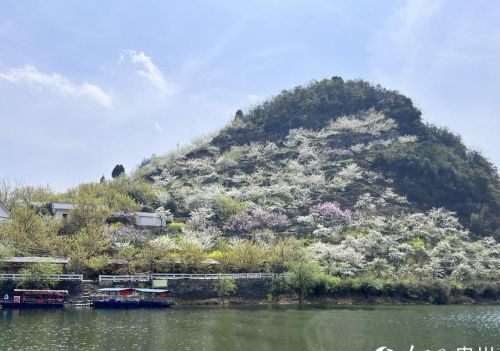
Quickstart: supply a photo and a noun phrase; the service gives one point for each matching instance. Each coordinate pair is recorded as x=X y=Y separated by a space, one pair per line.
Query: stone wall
x=192 y=289
x=184 y=289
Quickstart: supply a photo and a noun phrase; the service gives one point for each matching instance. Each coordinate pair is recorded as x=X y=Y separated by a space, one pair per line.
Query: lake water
x=258 y=328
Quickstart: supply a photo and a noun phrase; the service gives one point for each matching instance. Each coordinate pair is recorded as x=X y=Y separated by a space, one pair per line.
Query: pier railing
x=124 y=278
x=149 y=277
x=61 y=277
x=214 y=276
x=140 y=277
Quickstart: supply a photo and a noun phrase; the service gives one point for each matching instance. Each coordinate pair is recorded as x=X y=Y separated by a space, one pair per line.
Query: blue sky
x=85 y=85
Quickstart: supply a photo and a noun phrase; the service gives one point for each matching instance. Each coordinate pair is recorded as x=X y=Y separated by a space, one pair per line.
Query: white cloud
x=404 y=43
x=253 y=99
x=403 y=32
x=427 y=49
x=158 y=127
x=414 y=14
x=149 y=70
x=55 y=82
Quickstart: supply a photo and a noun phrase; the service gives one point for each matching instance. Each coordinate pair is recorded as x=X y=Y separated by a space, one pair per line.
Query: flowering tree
x=257 y=219
x=266 y=219
x=163 y=243
x=240 y=222
x=330 y=212
x=164 y=215
x=127 y=234
x=204 y=238
x=338 y=259
x=368 y=122
x=200 y=218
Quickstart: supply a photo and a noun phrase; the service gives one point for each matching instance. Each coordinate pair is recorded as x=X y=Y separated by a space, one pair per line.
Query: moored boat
x=135 y=298
x=44 y=299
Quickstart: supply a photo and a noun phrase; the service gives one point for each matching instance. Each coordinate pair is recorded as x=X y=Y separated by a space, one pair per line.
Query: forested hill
x=332 y=141
x=339 y=182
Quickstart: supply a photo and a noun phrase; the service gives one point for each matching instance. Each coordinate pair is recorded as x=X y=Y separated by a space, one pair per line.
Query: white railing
x=124 y=278
x=214 y=276
x=140 y=278
x=149 y=277
x=61 y=277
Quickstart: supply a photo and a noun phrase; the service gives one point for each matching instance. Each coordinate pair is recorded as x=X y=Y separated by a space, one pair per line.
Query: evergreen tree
x=119 y=169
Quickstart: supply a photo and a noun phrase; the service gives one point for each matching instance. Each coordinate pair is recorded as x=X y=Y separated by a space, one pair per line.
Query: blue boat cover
x=150 y=291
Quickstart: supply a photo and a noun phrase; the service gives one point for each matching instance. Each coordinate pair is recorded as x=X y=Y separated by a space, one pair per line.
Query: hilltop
x=333 y=140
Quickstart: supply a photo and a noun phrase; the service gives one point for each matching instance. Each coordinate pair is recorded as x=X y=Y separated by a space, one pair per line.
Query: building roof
x=117 y=261
x=207 y=261
x=62 y=206
x=54 y=260
x=210 y=261
x=2 y=207
x=41 y=292
x=146 y=214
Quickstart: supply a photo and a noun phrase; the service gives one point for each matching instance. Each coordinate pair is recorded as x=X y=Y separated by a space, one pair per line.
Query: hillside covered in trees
x=337 y=180
x=330 y=127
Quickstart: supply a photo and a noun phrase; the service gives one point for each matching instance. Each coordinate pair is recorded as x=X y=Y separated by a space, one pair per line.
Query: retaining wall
x=184 y=289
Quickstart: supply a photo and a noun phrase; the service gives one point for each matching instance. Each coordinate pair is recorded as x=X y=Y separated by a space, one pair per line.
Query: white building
x=146 y=219
x=4 y=213
x=61 y=210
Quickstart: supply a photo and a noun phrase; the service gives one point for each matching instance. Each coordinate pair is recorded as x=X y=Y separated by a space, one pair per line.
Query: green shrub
x=436 y=291
x=176 y=226
x=34 y=276
x=303 y=277
x=329 y=283
x=352 y=284
x=225 y=287
x=372 y=286
x=225 y=207
x=98 y=264
x=276 y=287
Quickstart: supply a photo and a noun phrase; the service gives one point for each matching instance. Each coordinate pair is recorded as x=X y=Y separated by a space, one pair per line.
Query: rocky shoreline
x=331 y=300
x=255 y=292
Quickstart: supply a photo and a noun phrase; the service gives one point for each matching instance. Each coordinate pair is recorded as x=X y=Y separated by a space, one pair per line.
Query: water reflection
x=257 y=328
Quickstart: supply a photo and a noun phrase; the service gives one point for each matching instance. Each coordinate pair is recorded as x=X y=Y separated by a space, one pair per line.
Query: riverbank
x=332 y=300
x=354 y=300
x=263 y=291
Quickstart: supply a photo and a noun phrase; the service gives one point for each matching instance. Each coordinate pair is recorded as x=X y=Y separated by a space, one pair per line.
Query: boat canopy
x=41 y=292
x=115 y=289
x=152 y=291
x=148 y=291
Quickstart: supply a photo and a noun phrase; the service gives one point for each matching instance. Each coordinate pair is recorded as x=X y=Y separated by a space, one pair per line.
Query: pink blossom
x=266 y=219
x=240 y=222
x=257 y=219
x=330 y=211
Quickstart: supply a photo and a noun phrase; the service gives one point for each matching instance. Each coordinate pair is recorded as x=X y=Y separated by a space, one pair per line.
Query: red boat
x=24 y=298
x=135 y=298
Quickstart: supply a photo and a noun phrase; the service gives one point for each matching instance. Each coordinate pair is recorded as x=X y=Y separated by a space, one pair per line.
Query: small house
x=146 y=219
x=61 y=210
x=4 y=213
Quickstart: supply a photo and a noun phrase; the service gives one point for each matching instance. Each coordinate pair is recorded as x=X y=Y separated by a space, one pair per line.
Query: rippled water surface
x=262 y=328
